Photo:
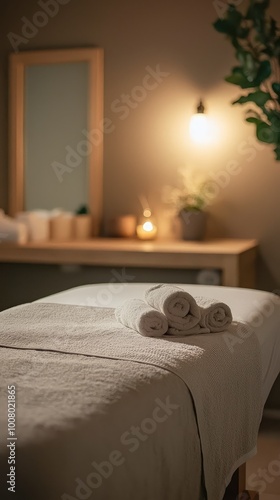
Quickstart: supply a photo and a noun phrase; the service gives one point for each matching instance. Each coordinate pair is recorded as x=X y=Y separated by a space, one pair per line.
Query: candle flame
x=148 y=226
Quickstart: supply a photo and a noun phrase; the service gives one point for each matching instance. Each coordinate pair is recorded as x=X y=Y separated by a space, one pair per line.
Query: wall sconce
x=199 y=126
x=146 y=229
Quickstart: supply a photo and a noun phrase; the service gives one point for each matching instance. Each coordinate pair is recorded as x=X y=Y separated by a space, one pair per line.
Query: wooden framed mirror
x=56 y=131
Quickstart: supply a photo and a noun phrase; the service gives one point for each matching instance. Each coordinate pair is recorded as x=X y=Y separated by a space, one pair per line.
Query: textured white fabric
x=224 y=383
x=74 y=410
x=244 y=304
x=136 y=314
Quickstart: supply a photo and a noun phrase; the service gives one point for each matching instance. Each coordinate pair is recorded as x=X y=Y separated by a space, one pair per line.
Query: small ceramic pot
x=82 y=226
x=61 y=227
x=193 y=223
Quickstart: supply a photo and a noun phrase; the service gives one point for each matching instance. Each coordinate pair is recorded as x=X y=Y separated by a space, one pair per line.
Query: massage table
x=55 y=448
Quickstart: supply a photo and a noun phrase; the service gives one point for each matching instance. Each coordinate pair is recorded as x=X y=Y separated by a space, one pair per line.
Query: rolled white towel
x=179 y=307
x=136 y=314
x=215 y=315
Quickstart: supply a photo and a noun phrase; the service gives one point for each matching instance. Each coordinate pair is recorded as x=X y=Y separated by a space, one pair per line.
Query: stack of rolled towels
x=168 y=309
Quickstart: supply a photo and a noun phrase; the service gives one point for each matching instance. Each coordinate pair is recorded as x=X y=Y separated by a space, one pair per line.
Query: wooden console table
x=235 y=258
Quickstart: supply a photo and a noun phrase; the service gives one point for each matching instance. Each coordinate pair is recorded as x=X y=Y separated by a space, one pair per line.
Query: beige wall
x=145 y=149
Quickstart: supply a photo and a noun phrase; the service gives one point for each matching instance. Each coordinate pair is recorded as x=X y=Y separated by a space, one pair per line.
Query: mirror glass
x=56 y=131
x=56 y=113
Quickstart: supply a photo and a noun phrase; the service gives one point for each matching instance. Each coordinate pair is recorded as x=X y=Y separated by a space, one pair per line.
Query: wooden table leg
x=242 y=478
x=248 y=495
x=236 y=490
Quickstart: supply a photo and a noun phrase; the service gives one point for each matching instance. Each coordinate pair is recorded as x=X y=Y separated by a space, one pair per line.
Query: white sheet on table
x=243 y=303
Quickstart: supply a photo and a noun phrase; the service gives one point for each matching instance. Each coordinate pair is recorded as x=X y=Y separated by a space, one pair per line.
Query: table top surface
x=217 y=246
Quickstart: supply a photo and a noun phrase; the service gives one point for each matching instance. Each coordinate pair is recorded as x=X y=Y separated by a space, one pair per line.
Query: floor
x=269 y=497
x=263 y=470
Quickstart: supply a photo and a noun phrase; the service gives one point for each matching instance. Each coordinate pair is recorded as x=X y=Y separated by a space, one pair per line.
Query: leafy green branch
x=255 y=37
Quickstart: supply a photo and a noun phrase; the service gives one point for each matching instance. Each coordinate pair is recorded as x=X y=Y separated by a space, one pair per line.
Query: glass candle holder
x=146 y=229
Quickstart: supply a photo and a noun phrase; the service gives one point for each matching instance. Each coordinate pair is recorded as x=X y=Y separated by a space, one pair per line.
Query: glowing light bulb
x=200 y=129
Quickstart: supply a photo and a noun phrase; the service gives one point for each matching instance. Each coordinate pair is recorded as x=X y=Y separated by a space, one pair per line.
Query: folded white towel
x=12 y=231
x=196 y=330
x=179 y=307
x=136 y=314
x=215 y=315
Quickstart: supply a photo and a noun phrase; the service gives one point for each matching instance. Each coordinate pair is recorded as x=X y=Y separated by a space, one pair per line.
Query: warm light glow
x=148 y=226
x=200 y=131
x=146 y=230
x=147 y=212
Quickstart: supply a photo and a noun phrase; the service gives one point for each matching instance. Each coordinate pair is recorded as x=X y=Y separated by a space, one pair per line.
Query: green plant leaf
x=250 y=66
x=273 y=116
x=83 y=209
x=235 y=42
x=275 y=125
x=277 y=152
x=265 y=133
x=272 y=28
x=268 y=51
x=243 y=32
x=263 y=73
x=256 y=10
x=276 y=47
x=238 y=78
x=230 y=25
x=276 y=88
x=223 y=26
x=259 y=97
x=252 y=119
x=245 y=82
x=234 y=17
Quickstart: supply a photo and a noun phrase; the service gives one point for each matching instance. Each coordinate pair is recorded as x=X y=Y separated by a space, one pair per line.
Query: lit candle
x=146 y=230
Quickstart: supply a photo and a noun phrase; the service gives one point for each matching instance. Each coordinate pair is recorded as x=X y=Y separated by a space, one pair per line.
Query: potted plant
x=255 y=37
x=82 y=223
x=189 y=202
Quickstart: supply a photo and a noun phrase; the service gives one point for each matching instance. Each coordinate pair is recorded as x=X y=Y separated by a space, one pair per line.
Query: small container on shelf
x=146 y=227
x=83 y=224
x=61 y=224
x=82 y=227
x=37 y=223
